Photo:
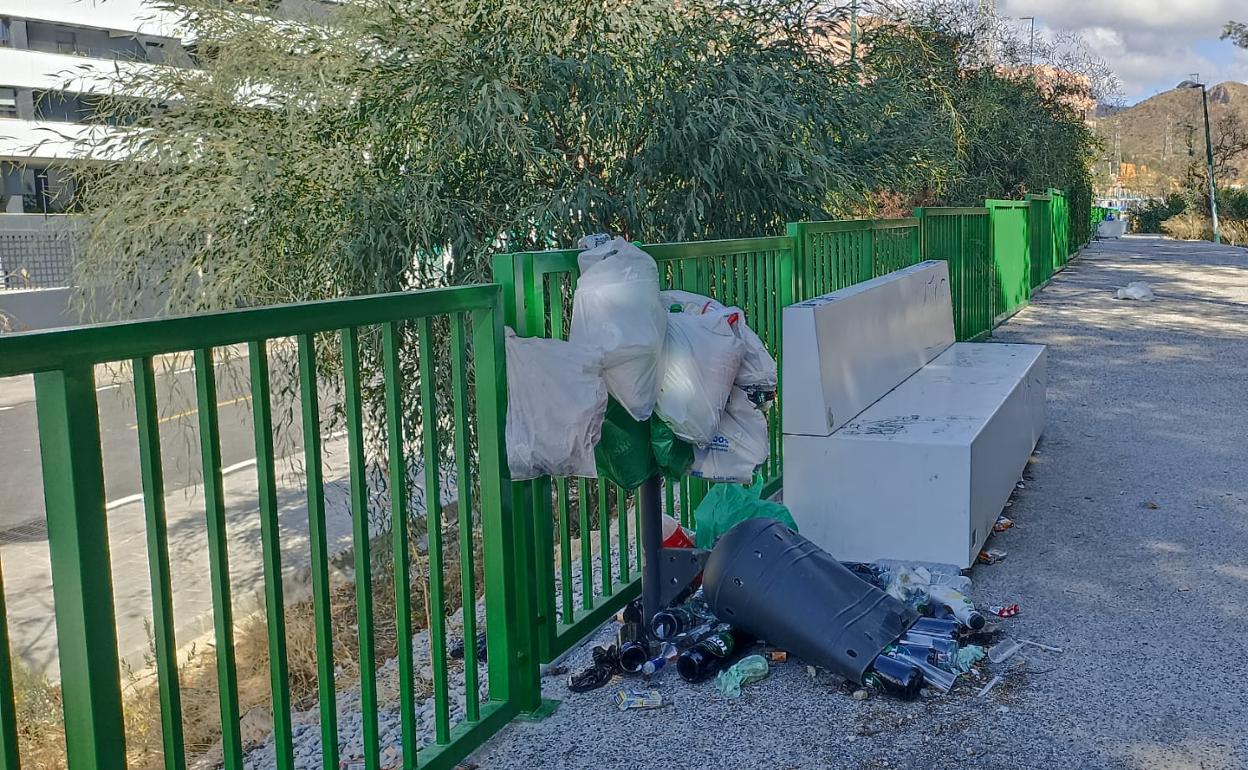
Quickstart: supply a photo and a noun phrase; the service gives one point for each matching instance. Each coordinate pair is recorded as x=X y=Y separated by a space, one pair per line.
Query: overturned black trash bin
x=768 y=580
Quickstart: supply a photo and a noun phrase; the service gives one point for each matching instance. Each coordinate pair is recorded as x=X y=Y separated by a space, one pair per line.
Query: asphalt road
x=21 y=503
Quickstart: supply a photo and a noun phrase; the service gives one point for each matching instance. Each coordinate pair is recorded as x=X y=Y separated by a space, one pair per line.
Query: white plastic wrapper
x=700 y=362
x=1137 y=290
x=556 y=399
x=758 y=369
x=740 y=445
x=616 y=310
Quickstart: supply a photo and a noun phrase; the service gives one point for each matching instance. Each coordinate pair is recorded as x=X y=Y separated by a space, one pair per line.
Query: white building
x=48 y=52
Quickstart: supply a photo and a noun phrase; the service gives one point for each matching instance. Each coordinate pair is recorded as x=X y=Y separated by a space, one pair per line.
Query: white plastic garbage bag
x=1137 y=290
x=700 y=362
x=616 y=310
x=758 y=371
x=740 y=445
x=556 y=399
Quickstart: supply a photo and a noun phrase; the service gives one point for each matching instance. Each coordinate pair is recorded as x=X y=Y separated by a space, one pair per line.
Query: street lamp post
x=1031 y=52
x=1213 y=187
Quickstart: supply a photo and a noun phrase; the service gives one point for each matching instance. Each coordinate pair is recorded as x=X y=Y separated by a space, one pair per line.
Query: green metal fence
x=401 y=332
x=755 y=274
x=555 y=557
x=962 y=237
x=1040 y=227
x=834 y=254
x=1011 y=255
x=1062 y=243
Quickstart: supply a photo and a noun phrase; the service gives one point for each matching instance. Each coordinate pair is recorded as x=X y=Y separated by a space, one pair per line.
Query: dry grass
x=41 y=727
x=1189 y=226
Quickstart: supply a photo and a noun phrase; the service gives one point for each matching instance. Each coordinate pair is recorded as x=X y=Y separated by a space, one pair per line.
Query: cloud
x=1151 y=44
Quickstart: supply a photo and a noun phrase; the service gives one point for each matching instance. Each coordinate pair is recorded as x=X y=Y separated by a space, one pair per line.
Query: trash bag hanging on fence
x=727 y=505
x=740 y=445
x=758 y=375
x=673 y=456
x=700 y=361
x=616 y=310
x=556 y=399
x=623 y=454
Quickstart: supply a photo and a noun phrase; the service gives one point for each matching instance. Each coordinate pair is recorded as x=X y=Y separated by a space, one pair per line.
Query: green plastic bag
x=727 y=505
x=623 y=454
x=745 y=671
x=674 y=456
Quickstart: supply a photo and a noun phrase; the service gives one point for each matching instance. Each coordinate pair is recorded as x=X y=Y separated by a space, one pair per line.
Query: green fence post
x=82 y=585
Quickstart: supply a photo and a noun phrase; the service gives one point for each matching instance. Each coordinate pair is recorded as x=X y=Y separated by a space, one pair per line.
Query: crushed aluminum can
x=638 y=699
x=777 y=656
x=1003 y=523
x=1007 y=611
x=991 y=556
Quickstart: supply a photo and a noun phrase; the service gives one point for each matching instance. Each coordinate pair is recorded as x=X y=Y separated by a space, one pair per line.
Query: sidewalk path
x=1131 y=553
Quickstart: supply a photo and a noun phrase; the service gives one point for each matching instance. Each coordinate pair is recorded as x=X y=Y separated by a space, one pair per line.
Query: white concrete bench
x=898 y=442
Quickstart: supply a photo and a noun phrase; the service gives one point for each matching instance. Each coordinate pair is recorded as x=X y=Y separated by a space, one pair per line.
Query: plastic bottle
x=895 y=677
x=671 y=622
x=713 y=653
x=667 y=654
x=958 y=605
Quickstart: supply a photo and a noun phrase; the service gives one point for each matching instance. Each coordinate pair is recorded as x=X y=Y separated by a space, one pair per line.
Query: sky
x=1150 y=44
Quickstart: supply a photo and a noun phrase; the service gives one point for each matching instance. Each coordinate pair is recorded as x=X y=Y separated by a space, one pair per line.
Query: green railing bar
x=539 y=521
x=587 y=565
x=322 y=616
x=467 y=565
x=391 y=340
x=360 y=540
x=693 y=249
x=29 y=352
x=604 y=536
x=152 y=472
x=218 y=556
x=565 y=550
x=621 y=504
x=510 y=633
x=433 y=520
x=82 y=586
x=8 y=706
x=271 y=554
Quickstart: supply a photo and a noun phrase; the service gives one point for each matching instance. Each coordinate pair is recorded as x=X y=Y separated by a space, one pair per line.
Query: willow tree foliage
x=399 y=144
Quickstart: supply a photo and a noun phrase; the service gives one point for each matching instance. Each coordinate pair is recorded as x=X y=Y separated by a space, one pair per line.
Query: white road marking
x=123 y=501
x=238 y=466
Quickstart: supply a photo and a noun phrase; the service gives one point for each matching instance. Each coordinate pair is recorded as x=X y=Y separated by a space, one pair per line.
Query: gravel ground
x=1130 y=552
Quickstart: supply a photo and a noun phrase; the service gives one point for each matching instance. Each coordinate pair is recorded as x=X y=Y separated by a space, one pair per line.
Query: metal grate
x=35 y=259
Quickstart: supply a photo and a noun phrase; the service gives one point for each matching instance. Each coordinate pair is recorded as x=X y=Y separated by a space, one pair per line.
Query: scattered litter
x=1006 y=611
x=712 y=653
x=556 y=671
x=968 y=656
x=812 y=672
x=1041 y=646
x=606 y=663
x=727 y=505
x=748 y=670
x=988 y=687
x=638 y=699
x=1002 y=652
x=861 y=695
x=457 y=648
x=991 y=556
x=1137 y=290
x=777 y=656
x=1152 y=506
x=1003 y=523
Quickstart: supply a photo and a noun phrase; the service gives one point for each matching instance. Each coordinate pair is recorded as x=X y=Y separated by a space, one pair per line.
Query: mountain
x=1156 y=133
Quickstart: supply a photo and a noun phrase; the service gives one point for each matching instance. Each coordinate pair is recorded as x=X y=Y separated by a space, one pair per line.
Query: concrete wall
x=34 y=309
